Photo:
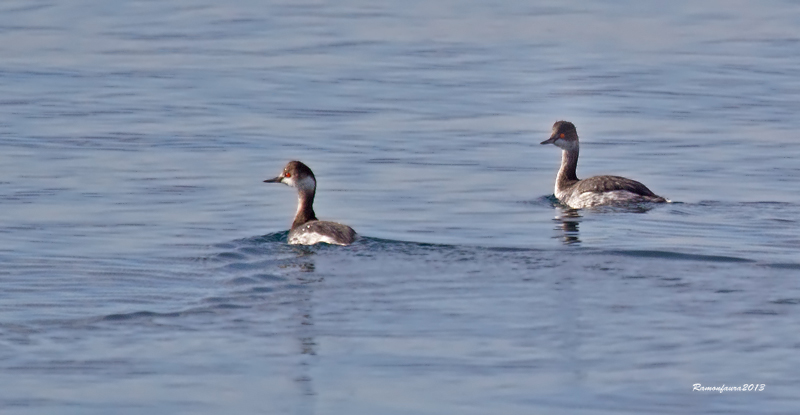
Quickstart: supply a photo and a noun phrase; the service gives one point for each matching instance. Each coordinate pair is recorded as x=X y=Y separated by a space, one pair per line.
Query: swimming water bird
x=594 y=191
x=306 y=229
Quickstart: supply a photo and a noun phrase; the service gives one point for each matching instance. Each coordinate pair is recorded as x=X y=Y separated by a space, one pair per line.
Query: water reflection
x=305 y=332
x=291 y=273
x=568 y=225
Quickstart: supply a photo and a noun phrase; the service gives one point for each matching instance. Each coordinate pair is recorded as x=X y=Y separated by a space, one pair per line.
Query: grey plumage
x=600 y=184
x=342 y=234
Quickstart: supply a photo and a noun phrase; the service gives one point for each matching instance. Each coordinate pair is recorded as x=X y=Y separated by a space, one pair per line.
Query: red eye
x=287 y=174
x=561 y=135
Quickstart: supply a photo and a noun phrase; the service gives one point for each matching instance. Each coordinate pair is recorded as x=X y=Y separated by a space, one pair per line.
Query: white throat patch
x=565 y=145
x=304 y=185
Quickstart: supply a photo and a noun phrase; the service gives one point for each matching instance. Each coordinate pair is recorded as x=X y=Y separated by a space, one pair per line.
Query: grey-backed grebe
x=306 y=229
x=594 y=191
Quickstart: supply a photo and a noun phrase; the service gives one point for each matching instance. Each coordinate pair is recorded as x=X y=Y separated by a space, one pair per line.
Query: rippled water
x=145 y=266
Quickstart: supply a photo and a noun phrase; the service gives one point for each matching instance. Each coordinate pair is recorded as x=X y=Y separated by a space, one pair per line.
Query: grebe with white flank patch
x=594 y=191
x=306 y=229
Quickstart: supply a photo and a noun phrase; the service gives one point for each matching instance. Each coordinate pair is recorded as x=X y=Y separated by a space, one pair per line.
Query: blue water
x=145 y=267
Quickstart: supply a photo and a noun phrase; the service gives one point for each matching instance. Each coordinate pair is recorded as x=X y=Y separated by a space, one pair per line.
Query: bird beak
x=550 y=140
x=274 y=180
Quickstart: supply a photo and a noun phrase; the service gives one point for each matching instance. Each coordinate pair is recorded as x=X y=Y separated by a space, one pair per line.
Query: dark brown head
x=564 y=135
x=296 y=174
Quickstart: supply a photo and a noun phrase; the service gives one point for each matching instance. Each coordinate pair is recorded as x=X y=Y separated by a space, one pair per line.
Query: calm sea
x=144 y=265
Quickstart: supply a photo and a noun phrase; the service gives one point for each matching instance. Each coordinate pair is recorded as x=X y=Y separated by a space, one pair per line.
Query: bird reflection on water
x=305 y=333
x=568 y=220
x=568 y=225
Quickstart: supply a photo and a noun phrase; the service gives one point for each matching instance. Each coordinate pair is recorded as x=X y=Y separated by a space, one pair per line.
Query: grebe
x=306 y=229
x=594 y=191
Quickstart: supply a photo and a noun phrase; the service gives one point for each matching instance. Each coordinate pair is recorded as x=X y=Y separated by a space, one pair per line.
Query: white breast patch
x=310 y=238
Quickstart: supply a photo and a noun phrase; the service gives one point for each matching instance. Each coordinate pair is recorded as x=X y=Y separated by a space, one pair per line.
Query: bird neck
x=569 y=164
x=305 y=208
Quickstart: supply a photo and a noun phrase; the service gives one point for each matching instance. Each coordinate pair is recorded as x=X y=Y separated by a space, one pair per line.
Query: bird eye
x=287 y=174
x=561 y=135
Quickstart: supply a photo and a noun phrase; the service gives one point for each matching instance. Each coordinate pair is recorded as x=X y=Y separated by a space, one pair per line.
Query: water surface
x=145 y=265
